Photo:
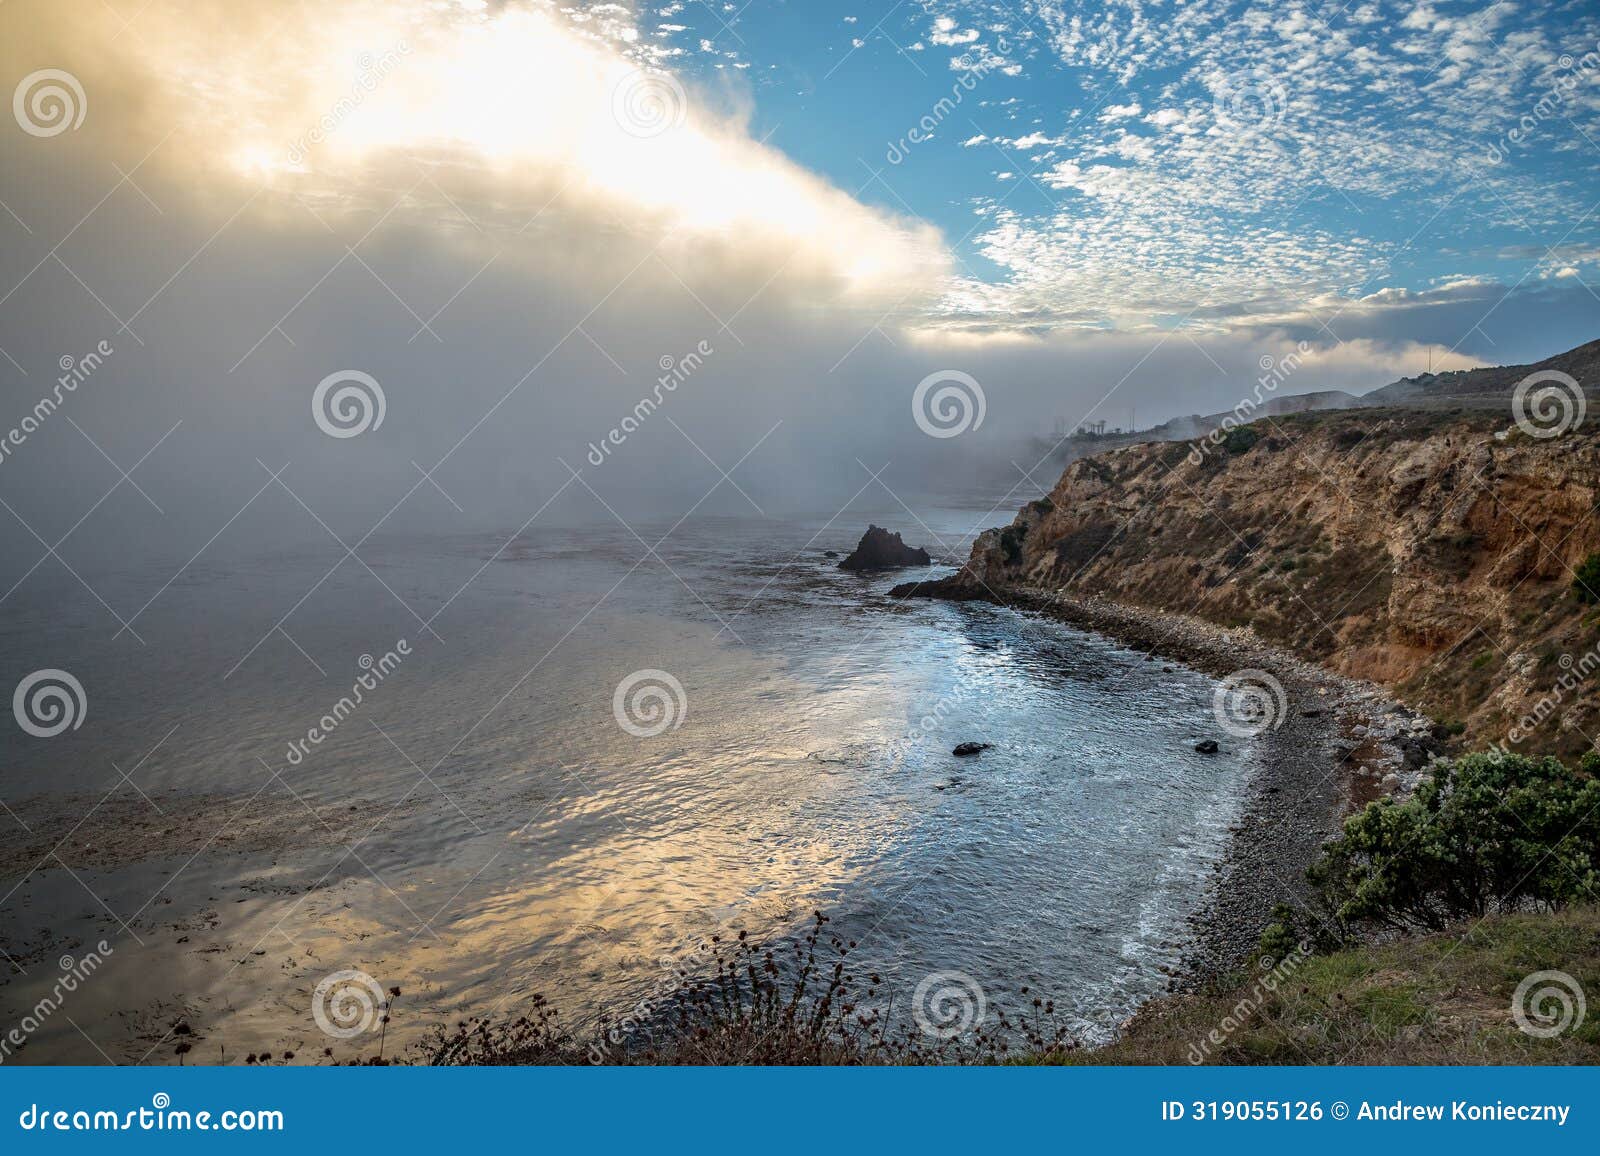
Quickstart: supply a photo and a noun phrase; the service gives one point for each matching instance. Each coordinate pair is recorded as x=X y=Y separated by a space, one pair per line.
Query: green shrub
x=1240 y=439
x=1491 y=831
x=1011 y=543
x=1586 y=579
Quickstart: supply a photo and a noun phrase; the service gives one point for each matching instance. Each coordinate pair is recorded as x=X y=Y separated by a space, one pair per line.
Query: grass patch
x=1586 y=579
x=1443 y=998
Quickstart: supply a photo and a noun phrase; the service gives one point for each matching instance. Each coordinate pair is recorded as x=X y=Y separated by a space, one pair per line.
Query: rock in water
x=881 y=550
x=964 y=749
x=1206 y=746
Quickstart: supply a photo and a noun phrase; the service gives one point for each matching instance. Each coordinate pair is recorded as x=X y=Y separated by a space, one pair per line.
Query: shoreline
x=1340 y=744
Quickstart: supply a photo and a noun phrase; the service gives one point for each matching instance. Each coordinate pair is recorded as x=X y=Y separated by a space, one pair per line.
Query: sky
x=784 y=226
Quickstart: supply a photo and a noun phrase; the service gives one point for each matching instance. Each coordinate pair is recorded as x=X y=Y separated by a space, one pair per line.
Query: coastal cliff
x=1432 y=552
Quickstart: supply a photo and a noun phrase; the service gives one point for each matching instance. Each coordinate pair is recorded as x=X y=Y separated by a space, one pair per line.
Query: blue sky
x=1172 y=163
x=513 y=213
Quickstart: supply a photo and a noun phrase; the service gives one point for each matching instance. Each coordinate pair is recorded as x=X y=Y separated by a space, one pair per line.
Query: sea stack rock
x=881 y=550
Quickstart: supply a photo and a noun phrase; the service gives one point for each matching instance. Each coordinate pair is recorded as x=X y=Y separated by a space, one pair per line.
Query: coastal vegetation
x=1484 y=833
x=1442 y=998
x=805 y=1002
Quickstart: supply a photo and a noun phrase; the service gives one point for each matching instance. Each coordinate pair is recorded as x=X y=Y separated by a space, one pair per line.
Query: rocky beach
x=1339 y=743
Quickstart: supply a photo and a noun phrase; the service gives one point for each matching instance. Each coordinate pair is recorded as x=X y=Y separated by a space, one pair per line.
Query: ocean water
x=482 y=826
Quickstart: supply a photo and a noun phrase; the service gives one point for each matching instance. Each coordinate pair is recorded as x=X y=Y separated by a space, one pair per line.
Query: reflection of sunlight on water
x=548 y=850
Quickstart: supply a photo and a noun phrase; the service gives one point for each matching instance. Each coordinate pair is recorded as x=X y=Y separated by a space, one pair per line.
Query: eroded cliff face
x=1430 y=552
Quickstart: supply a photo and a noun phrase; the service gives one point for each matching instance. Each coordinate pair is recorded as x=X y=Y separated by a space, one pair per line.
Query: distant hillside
x=1181 y=429
x=1489 y=385
x=1487 y=388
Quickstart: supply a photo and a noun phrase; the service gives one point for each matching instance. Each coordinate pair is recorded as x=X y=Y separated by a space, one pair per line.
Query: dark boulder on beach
x=951 y=588
x=964 y=749
x=881 y=550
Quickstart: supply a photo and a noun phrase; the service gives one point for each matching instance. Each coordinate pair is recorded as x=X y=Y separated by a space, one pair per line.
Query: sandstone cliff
x=1432 y=552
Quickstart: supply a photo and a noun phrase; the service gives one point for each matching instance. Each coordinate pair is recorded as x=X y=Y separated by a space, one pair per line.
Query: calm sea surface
x=506 y=834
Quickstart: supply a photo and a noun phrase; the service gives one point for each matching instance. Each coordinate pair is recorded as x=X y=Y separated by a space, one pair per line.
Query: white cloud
x=946 y=32
x=631 y=141
x=1275 y=130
